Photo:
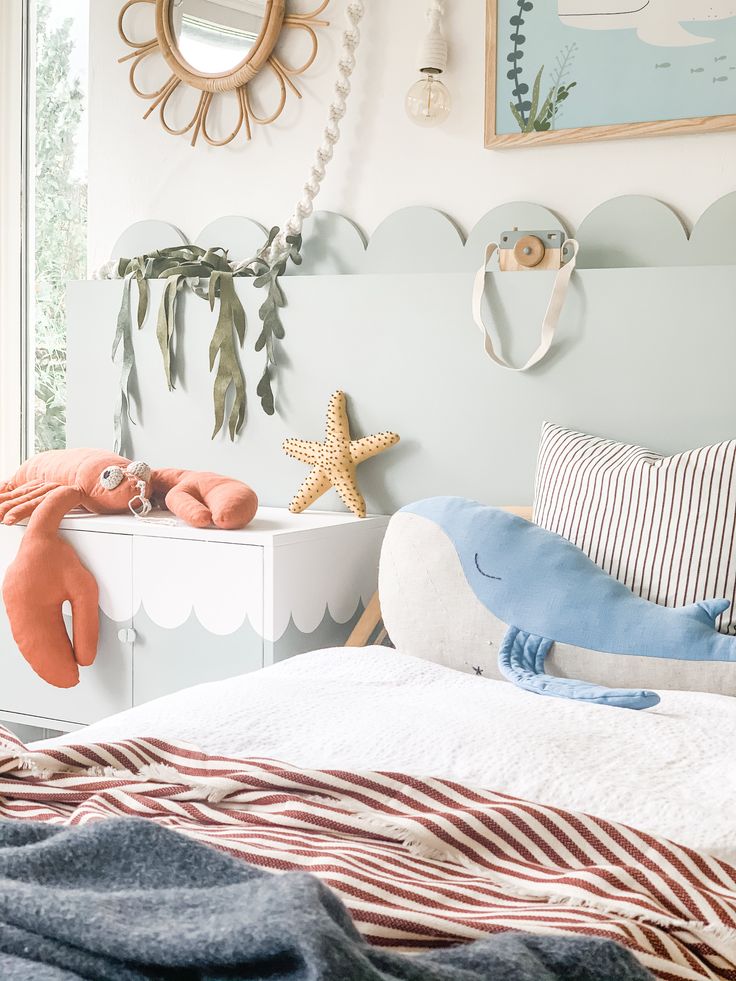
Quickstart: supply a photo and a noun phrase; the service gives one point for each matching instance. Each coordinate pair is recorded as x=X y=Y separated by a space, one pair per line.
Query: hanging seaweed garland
x=211 y=276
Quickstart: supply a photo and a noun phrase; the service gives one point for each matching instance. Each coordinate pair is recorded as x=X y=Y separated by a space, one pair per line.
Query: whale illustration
x=546 y=590
x=657 y=22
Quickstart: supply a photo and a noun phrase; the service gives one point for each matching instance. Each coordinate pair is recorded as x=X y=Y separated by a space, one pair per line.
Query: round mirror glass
x=216 y=36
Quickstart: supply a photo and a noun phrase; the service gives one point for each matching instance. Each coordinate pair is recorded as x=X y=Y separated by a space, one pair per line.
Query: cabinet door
x=107 y=686
x=199 y=613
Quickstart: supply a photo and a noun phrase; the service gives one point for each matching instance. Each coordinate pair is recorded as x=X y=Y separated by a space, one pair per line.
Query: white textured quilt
x=670 y=771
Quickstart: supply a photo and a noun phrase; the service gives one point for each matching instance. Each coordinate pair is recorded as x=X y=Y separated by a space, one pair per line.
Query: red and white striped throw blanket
x=419 y=863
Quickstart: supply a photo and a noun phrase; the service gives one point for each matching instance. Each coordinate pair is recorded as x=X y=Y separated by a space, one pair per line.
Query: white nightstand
x=180 y=606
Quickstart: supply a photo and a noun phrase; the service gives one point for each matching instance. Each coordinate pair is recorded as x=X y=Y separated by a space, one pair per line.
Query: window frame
x=15 y=227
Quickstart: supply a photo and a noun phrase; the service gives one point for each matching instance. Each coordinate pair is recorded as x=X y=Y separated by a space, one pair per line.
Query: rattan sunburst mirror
x=217 y=47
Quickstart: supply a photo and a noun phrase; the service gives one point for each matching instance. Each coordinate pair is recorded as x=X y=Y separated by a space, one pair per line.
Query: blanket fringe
x=214 y=790
x=720 y=938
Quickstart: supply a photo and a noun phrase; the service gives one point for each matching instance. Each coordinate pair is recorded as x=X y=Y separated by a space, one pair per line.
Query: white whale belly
x=657 y=22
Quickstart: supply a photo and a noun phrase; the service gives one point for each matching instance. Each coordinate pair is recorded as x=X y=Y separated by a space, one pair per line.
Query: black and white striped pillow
x=665 y=526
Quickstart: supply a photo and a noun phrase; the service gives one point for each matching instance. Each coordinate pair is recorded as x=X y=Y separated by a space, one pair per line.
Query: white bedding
x=669 y=770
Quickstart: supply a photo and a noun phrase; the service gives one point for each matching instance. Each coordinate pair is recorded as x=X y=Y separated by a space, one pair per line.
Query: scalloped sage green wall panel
x=333 y=245
x=240 y=236
x=147 y=236
x=643 y=355
x=626 y=232
x=632 y=231
x=713 y=240
x=416 y=240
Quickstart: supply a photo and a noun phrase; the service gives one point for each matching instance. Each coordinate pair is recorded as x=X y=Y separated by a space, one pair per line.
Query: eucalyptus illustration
x=522 y=106
x=560 y=89
x=537 y=114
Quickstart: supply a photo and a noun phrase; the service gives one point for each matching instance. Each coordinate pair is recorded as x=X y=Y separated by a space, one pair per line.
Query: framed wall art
x=565 y=71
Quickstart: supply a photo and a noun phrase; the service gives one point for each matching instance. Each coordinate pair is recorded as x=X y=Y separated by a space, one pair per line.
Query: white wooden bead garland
x=346 y=66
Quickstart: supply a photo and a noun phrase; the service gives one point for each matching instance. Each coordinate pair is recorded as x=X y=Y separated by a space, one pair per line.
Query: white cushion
x=431 y=611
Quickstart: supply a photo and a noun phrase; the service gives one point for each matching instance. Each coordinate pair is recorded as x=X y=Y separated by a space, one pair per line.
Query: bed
x=441 y=806
x=668 y=771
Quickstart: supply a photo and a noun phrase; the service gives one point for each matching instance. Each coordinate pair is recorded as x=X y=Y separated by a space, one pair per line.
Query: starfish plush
x=334 y=462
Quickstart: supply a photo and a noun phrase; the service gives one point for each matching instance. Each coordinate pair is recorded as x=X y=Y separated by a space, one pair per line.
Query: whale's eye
x=111 y=477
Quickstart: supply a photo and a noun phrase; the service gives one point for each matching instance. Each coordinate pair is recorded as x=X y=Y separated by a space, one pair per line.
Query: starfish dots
x=334 y=461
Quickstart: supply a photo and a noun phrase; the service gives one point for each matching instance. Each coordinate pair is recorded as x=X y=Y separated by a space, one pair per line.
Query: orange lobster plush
x=47 y=571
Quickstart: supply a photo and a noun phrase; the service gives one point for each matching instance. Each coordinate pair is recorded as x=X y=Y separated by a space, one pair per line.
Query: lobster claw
x=205 y=499
x=45 y=574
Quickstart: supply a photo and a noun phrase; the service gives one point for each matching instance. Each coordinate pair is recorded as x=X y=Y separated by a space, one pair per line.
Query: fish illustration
x=546 y=591
x=696 y=71
x=720 y=78
x=720 y=58
x=664 y=64
x=656 y=22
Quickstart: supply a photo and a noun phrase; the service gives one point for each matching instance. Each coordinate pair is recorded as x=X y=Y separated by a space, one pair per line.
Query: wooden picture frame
x=578 y=134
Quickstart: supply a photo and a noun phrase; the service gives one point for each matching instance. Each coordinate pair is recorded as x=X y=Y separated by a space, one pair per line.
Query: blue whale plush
x=546 y=590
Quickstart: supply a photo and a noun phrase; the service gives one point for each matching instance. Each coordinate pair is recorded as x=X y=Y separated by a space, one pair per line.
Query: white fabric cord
x=551 y=317
x=433 y=50
x=346 y=67
x=139 y=505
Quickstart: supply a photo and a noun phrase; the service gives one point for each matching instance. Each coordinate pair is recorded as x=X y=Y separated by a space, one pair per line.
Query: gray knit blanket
x=126 y=900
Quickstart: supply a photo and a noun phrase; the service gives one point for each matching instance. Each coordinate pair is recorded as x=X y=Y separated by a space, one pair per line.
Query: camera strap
x=551 y=317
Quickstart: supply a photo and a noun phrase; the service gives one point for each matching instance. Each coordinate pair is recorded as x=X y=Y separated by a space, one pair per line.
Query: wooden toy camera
x=520 y=251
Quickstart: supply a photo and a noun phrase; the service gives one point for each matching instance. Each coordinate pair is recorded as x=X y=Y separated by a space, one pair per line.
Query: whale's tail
x=521 y=660
x=706 y=612
x=668 y=34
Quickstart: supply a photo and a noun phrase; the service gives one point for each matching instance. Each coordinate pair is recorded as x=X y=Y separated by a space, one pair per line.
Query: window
x=43 y=213
x=57 y=203
x=11 y=187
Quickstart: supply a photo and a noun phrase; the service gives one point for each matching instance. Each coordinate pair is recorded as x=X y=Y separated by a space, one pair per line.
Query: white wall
x=383 y=162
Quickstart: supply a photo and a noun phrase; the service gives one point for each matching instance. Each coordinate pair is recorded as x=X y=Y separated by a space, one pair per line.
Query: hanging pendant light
x=428 y=102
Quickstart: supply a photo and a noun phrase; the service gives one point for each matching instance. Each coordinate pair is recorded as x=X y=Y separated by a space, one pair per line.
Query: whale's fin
x=707 y=612
x=521 y=661
x=668 y=34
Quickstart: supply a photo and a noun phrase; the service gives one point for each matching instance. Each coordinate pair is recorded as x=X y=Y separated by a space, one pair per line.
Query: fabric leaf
x=265 y=392
x=123 y=343
x=230 y=325
x=144 y=296
x=166 y=324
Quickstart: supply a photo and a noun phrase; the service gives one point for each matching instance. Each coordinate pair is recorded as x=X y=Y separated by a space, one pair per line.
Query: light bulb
x=428 y=101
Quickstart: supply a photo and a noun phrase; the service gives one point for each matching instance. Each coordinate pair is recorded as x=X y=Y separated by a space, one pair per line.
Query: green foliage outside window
x=60 y=218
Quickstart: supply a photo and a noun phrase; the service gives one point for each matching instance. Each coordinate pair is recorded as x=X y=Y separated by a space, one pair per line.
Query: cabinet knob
x=127 y=635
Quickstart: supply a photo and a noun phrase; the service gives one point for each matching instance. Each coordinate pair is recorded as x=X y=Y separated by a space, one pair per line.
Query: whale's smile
x=604 y=13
